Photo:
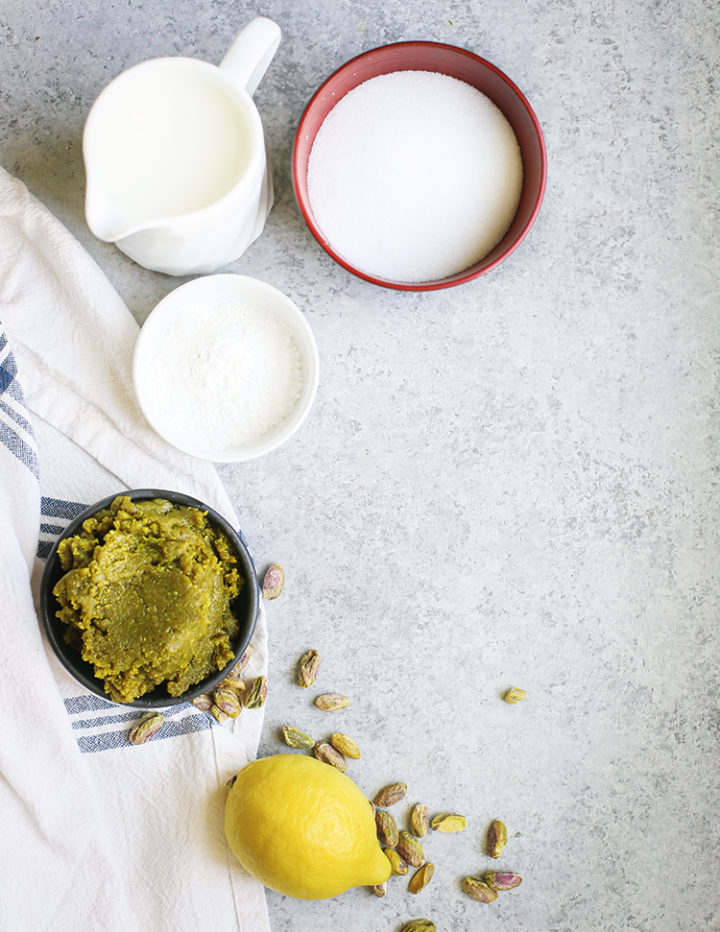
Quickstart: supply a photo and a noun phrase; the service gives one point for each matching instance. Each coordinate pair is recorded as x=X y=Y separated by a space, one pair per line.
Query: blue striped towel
x=121 y=838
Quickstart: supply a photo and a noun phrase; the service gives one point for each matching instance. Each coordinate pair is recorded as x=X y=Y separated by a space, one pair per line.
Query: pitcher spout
x=102 y=217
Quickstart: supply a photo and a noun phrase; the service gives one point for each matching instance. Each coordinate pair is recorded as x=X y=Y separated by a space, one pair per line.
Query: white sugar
x=226 y=375
x=414 y=176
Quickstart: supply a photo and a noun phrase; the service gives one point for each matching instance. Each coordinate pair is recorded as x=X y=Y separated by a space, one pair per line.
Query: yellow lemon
x=303 y=828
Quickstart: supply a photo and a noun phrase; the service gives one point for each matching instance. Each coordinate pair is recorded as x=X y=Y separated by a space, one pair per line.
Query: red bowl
x=457 y=63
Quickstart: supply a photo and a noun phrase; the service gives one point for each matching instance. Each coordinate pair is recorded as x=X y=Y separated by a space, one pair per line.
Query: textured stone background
x=512 y=482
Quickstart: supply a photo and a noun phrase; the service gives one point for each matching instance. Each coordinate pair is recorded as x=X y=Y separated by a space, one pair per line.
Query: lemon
x=303 y=828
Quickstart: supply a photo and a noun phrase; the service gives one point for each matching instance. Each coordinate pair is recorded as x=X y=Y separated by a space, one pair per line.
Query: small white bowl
x=197 y=296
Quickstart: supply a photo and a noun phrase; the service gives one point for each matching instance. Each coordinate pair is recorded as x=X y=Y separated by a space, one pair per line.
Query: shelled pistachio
x=273 y=581
x=296 y=738
x=308 y=667
x=421 y=878
x=390 y=794
x=419 y=820
x=496 y=838
x=148 y=726
x=387 y=829
x=478 y=890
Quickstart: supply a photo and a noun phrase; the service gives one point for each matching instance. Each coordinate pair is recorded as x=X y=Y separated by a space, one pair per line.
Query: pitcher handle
x=247 y=59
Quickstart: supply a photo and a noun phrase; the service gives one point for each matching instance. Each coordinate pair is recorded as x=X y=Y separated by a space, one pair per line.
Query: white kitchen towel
x=98 y=834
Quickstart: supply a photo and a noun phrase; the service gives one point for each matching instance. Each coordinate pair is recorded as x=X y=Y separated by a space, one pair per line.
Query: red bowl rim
x=461 y=277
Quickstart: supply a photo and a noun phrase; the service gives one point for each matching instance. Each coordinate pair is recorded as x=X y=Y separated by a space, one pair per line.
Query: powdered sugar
x=414 y=176
x=226 y=376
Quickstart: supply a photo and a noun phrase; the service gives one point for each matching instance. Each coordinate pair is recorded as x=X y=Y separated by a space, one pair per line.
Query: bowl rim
x=311 y=374
x=461 y=277
x=52 y=627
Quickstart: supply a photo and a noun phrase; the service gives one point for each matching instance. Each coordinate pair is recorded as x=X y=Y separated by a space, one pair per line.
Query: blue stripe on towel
x=179 y=720
x=60 y=508
x=24 y=450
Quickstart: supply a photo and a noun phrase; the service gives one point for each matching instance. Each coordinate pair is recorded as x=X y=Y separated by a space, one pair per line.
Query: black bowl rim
x=62 y=651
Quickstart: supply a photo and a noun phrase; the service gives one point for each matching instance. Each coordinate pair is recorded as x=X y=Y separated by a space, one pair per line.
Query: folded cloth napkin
x=98 y=834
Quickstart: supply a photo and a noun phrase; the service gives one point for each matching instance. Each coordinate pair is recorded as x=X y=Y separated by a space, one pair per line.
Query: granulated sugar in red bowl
x=419 y=166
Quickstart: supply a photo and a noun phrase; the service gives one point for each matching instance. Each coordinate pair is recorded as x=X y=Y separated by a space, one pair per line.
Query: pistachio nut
x=234 y=682
x=308 y=668
x=419 y=925
x=148 y=726
x=257 y=694
x=242 y=661
x=421 y=878
x=419 y=820
x=331 y=702
x=387 y=829
x=502 y=880
x=380 y=889
x=218 y=714
x=203 y=702
x=410 y=849
x=496 y=838
x=398 y=866
x=390 y=794
x=345 y=744
x=297 y=739
x=328 y=755
x=227 y=700
x=515 y=695
x=449 y=822
x=478 y=890
x=273 y=581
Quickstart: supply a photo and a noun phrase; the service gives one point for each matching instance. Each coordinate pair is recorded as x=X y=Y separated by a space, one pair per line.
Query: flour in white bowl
x=414 y=176
x=225 y=376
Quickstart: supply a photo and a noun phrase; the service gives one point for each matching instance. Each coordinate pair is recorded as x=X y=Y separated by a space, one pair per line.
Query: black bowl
x=244 y=607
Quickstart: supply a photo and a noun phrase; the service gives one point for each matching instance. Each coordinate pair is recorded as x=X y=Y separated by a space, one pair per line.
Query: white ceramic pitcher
x=176 y=169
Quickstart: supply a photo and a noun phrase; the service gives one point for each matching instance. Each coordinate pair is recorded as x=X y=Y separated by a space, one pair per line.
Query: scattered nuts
x=148 y=726
x=515 y=695
x=297 y=739
x=397 y=865
x=419 y=925
x=257 y=694
x=449 y=822
x=496 y=838
x=203 y=702
x=331 y=702
x=218 y=714
x=380 y=889
x=478 y=890
x=227 y=700
x=410 y=849
x=274 y=581
x=328 y=755
x=421 y=878
x=387 y=829
x=502 y=880
x=234 y=682
x=345 y=744
x=242 y=660
x=391 y=794
x=308 y=668
x=419 y=821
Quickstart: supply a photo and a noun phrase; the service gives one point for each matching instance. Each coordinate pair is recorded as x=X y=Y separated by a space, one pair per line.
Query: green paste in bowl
x=146 y=596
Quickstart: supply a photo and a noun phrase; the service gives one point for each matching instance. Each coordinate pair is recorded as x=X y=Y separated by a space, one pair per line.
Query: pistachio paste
x=147 y=596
